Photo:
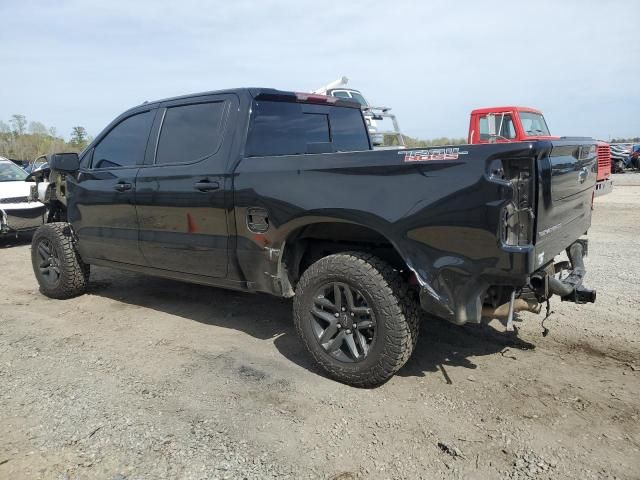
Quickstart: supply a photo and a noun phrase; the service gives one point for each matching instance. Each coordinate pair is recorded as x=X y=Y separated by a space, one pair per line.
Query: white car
x=20 y=209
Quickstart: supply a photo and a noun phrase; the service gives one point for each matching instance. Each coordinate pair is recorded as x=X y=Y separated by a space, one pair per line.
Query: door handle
x=206 y=186
x=121 y=187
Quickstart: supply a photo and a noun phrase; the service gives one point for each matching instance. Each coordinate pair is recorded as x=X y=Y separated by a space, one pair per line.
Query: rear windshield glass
x=283 y=128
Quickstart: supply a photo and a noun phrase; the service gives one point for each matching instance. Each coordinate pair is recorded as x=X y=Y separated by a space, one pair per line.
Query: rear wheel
x=357 y=318
x=57 y=265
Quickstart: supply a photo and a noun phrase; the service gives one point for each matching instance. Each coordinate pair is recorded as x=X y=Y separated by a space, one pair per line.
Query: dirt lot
x=149 y=378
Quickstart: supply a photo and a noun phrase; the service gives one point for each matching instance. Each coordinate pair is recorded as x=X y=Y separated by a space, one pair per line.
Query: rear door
x=567 y=176
x=182 y=188
x=103 y=211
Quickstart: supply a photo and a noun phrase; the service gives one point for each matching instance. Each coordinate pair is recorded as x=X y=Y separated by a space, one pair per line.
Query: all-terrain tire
x=68 y=275
x=393 y=304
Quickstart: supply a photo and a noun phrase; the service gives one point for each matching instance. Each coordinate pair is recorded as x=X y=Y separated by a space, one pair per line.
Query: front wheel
x=57 y=265
x=357 y=317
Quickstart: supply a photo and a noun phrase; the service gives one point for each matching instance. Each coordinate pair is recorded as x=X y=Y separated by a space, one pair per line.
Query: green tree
x=37 y=128
x=22 y=143
x=625 y=140
x=417 y=143
x=79 y=138
x=18 y=123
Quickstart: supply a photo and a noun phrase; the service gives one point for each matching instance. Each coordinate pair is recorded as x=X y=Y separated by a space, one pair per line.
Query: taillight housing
x=517 y=216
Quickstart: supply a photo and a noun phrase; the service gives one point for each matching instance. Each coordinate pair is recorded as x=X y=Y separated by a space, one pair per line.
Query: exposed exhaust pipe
x=519 y=305
x=570 y=288
x=537 y=281
x=558 y=287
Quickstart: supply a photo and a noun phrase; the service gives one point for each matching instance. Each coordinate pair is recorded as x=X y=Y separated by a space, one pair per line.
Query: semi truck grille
x=604 y=161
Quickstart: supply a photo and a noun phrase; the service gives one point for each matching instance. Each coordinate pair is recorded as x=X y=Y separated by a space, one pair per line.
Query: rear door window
x=125 y=144
x=283 y=128
x=190 y=132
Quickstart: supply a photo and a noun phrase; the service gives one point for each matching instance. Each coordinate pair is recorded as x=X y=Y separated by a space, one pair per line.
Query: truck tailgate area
x=566 y=179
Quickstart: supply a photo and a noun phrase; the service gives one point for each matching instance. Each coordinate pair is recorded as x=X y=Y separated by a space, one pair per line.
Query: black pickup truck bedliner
x=277 y=192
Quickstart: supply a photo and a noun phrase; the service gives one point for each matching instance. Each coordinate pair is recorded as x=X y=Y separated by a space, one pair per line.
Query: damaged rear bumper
x=473 y=300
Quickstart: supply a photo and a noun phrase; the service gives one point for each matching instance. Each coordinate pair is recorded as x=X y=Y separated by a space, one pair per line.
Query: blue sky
x=69 y=63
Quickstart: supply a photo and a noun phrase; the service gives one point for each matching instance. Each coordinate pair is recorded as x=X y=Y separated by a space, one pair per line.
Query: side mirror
x=65 y=162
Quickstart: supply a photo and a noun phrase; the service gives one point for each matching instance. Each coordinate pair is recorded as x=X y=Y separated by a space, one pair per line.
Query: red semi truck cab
x=519 y=124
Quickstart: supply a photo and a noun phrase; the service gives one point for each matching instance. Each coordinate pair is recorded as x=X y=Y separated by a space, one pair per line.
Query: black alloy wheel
x=49 y=265
x=357 y=317
x=343 y=322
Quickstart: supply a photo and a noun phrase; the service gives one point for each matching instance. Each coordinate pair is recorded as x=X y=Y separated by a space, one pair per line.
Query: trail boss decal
x=450 y=153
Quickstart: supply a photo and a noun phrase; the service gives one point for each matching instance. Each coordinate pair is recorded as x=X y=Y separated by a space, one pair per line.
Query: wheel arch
x=314 y=240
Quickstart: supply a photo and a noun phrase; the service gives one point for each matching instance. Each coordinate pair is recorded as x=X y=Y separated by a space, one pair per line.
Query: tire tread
x=74 y=272
x=391 y=295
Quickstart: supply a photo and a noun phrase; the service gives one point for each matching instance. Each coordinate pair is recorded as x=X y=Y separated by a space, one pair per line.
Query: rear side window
x=190 y=132
x=282 y=128
x=125 y=144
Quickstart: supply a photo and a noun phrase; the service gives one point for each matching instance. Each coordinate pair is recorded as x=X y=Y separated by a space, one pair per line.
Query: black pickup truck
x=269 y=191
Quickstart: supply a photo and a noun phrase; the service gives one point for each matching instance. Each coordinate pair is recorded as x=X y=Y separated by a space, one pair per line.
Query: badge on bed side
x=448 y=153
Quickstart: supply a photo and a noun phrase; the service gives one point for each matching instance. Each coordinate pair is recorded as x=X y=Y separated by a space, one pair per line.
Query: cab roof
x=266 y=94
x=504 y=109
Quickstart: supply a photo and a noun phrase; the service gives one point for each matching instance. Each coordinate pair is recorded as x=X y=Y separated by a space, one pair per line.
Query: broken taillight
x=518 y=215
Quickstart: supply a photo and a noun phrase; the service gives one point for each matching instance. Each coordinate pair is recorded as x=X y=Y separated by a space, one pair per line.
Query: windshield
x=359 y=98
x=10 y=172
x=534 y=124
x=350 y=94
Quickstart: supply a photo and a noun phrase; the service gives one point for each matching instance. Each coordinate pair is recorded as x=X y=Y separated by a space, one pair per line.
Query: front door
x=103 y=211
x=180 y=193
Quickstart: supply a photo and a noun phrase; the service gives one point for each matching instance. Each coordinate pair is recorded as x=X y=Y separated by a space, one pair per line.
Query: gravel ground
x=145 y=378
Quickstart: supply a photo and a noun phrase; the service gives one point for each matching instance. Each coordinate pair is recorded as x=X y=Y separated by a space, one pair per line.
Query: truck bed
x=442 y=210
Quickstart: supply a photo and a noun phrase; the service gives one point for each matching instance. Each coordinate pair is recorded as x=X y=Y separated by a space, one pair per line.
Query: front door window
x=503 y=123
